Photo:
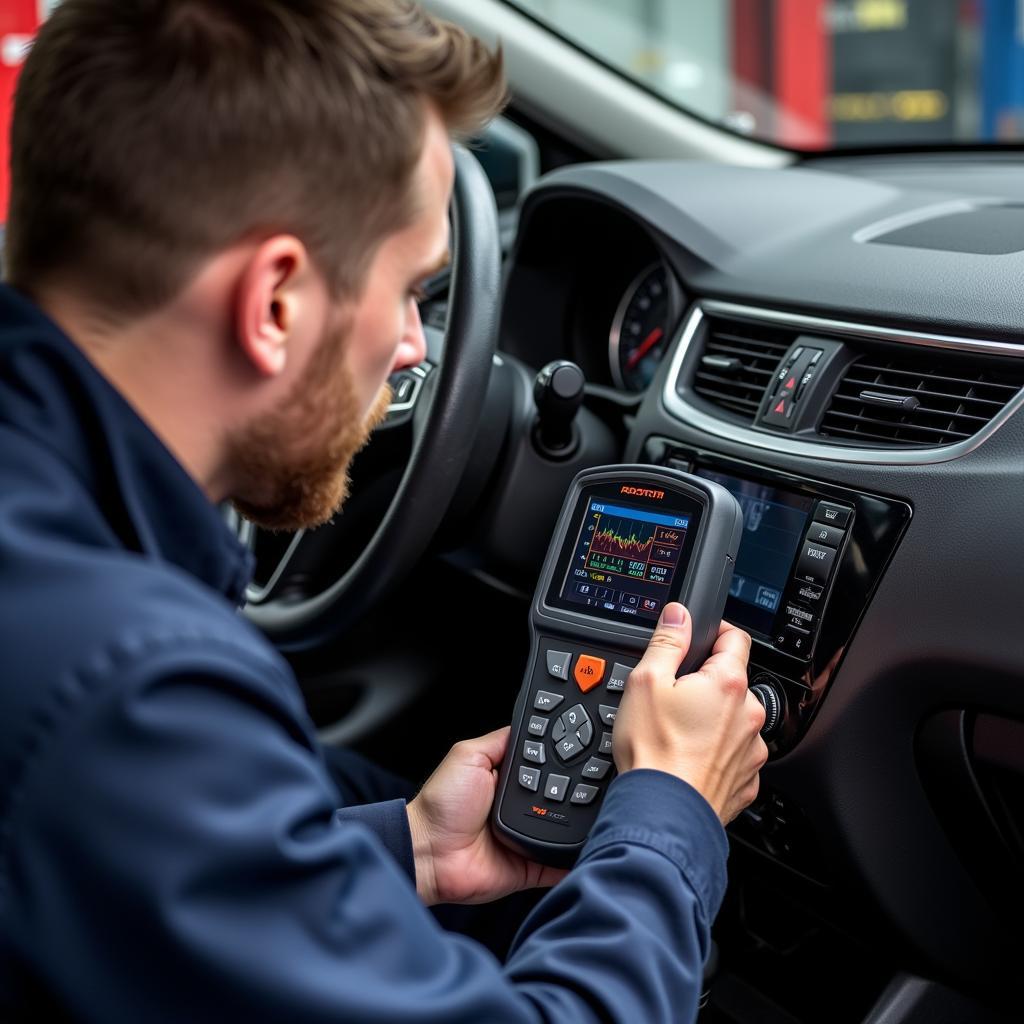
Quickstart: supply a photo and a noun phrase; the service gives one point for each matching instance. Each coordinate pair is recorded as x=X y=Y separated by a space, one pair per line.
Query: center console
x=810 y=558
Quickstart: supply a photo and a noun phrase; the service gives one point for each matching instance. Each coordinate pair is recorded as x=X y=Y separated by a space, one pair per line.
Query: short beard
x=292 y=466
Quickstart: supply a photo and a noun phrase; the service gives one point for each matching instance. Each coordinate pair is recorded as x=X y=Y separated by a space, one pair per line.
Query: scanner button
x=568 y=747
x=617 y=680
x=585 y=732
x=558 y=663
x=555 y=787
x=605 y=746
x=607 y=713
x=533 y=751
x=538 y=726
x=529 y=778
x=589 y=671
x=583 y=794
x=545 y=701
x=596 y=768
x=558 y=732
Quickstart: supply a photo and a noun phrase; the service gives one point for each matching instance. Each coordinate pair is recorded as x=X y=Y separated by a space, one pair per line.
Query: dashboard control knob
x=558 y=394
x=766 y=690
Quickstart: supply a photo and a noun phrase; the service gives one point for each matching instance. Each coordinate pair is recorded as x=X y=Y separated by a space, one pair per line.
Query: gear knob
x=558 y=394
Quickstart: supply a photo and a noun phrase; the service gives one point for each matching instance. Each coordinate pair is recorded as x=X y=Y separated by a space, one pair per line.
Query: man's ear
x=270 y=302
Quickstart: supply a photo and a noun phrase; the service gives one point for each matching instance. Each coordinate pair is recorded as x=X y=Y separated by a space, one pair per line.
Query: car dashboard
x=839 y=343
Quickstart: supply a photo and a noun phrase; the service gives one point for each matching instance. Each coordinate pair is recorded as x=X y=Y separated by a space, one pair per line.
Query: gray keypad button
x=596 y=768
x=556 y=786
x=617 y=680
x=529 y=778
x=608 y=713
x=558 y=732
x=558 y=663
x=583 y=794
x=534 y=751
x=585 y=733
x=538 y=726
x=605 y=746
x=575 y=717
x=545 y=701
x=568 y=747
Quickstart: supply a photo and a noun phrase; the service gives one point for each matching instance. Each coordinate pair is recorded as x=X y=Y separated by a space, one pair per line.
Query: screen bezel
x=675 y=502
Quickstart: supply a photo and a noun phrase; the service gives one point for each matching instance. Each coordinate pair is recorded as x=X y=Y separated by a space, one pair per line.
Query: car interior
x=830 y=329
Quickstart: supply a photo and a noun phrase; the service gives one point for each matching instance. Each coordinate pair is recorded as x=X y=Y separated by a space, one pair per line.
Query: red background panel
x=19 y=19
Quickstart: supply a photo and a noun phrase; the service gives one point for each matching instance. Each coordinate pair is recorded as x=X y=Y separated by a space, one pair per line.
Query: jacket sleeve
x=173 y=853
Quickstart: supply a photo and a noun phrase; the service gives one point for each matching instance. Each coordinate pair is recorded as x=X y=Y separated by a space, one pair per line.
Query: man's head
x=269 y=174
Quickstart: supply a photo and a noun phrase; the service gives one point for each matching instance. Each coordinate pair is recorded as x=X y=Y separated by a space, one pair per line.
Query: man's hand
x=703 y=727
x=458 y=859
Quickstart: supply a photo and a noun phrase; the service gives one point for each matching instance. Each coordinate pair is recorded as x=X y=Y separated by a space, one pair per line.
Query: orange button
x=589 y=671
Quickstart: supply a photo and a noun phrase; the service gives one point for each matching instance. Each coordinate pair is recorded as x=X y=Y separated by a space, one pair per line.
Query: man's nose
x=412 y=349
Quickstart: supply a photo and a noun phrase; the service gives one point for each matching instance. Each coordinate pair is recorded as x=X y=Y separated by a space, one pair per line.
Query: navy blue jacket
x=171 y=843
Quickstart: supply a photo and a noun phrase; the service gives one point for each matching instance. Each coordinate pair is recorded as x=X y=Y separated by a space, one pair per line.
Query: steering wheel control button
x=585 y=732
x=538 y=726
x=546 y=701
x=534 y=751
x=815 y=565
x=558 y=664
x=583 y=794
x=558 y=732
x=589 y=671
x=608 y=713
x=568 y=747
x=822 y=533
x=617 y=680
x=529 y=778
x=605 y=746
x=833 y=515
x=596 y=768
x=556 y=787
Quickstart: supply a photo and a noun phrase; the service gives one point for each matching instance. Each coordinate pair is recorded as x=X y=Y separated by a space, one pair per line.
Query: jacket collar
x=50 y=391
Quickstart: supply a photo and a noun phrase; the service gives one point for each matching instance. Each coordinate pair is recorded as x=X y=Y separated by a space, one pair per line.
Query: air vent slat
x=918 y=428
x=955 y=399
x=856 y=383
x=758 y=349
x=926 y=375
x=924 y=410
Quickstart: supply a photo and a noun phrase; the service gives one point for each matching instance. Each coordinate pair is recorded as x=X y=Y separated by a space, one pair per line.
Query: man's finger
x=492 y=746
x=669 y=643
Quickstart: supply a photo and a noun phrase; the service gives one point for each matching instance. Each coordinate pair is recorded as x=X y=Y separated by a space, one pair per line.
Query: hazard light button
x=588 y=672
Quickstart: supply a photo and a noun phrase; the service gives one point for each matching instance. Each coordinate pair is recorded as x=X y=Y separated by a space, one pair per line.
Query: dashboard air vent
x=916 y=401
x=738 y=363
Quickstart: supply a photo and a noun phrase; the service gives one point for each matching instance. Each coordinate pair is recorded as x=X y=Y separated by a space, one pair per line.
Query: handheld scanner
x=629 y=539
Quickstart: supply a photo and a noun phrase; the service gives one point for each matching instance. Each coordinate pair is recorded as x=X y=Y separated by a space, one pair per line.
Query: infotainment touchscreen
x=628 y=554
x=774 y=524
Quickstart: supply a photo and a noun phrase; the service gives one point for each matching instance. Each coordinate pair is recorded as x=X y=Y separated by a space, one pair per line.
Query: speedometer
x=639 y=333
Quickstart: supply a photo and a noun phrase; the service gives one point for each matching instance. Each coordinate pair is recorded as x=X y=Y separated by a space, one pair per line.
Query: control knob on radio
x=766 y=690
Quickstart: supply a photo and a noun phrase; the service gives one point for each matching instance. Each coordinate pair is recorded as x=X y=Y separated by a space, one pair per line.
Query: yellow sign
x=906 y=105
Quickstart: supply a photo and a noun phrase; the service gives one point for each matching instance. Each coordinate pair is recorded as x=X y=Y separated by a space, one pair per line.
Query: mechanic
x=221 y=212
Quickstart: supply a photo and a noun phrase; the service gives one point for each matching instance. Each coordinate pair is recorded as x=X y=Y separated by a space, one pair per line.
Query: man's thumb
x=670 y=641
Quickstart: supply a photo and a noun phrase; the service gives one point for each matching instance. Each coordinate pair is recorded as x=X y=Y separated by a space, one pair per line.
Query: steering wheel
x=444 y=404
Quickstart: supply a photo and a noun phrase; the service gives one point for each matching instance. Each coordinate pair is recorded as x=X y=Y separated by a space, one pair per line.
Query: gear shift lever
x=558 y=394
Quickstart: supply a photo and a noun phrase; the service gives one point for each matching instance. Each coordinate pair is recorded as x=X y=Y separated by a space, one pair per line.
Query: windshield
x=818 y=74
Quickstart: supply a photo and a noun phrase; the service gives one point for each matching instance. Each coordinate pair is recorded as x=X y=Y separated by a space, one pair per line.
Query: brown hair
x=150 y=134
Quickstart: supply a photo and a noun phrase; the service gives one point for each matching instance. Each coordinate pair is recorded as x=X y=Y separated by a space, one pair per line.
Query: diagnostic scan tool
x=629 y=539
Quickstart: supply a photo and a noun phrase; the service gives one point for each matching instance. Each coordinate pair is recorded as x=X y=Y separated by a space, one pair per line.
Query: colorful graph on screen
x=641 y=548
